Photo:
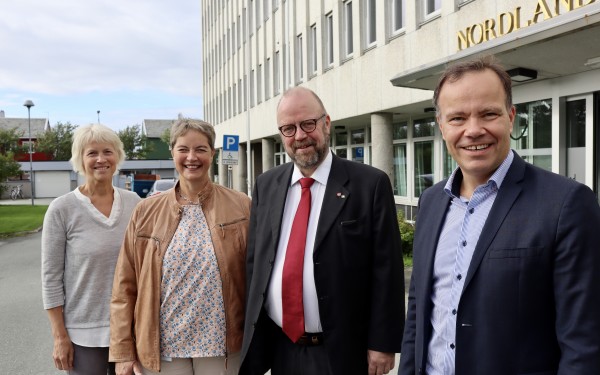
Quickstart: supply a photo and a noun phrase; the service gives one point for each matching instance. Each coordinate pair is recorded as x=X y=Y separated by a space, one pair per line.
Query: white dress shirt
x=312 y=321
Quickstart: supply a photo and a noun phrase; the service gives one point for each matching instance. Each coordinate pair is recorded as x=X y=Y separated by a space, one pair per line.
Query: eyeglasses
x=307 y=126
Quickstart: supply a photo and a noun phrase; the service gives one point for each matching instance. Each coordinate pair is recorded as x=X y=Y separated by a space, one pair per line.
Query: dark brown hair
x=456 y=71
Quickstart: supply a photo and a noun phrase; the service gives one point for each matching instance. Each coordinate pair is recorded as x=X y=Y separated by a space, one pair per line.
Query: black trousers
x=295 y=359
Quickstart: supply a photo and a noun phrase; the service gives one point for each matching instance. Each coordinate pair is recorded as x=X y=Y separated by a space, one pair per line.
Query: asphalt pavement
x=26 y=340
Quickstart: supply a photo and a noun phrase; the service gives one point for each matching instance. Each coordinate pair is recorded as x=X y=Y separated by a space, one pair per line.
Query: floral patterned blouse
x=192 y=314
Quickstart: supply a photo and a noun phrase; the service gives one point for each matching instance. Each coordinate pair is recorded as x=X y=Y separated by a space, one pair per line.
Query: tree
x=134 y=142
x=57 y=141
x=9 y=141
x=9 y=146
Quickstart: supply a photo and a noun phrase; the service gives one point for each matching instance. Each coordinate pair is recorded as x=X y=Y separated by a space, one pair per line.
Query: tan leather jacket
x=135 y=303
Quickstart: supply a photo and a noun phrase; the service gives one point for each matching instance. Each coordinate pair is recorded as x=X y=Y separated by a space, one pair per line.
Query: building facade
x=375 y=63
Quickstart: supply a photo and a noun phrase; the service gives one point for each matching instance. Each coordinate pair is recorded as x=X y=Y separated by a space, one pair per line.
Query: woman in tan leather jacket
x=178 y=294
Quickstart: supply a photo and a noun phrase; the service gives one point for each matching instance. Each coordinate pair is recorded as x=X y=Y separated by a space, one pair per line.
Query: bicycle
x=16 y=192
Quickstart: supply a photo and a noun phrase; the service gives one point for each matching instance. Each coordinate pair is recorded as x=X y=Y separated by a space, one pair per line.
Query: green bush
x=407 y=233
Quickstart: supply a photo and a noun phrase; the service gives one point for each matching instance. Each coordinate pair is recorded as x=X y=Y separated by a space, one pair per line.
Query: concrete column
x=241 y=171
x=268 y=154
x=382 y=142
x=222 y=170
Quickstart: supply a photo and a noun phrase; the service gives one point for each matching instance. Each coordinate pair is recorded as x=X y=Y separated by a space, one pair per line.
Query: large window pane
x=400 y=130
x=400 y=179
x=358 y=136
x=423 y=166
x=532 y=132
x=424 y=127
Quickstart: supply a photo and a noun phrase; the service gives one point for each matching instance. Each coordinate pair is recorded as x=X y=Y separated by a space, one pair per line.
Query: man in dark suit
x=352 y=277
x=506 y=272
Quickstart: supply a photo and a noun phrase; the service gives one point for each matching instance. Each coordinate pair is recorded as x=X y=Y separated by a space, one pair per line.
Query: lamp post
x=29 y=104
x=98 y=111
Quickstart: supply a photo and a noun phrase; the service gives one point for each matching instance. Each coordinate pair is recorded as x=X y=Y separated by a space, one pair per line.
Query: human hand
x=62 y=353
x=128 y=368
x=380 y=363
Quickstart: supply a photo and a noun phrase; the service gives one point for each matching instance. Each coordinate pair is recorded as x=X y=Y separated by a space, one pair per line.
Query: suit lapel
x=279 y=190
x=332 y=202
x=508 y=193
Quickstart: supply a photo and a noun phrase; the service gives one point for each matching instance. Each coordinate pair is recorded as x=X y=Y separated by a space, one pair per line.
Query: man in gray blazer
x=352 y=277
x=506 y=272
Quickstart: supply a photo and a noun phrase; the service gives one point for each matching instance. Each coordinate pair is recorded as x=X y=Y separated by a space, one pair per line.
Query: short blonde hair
x=183 y=125
x=98 y=133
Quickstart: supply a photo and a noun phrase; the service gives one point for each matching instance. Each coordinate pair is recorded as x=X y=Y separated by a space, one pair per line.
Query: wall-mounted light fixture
x=522 y=74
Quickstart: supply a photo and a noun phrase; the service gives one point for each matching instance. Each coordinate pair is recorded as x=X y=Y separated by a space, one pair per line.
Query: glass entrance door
x=580 y=139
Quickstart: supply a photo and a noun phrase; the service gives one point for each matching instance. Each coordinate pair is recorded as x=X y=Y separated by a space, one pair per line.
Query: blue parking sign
x=231 y=142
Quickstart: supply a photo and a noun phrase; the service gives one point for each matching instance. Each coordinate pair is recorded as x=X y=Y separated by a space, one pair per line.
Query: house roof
x=156 y=128
x=38 y=125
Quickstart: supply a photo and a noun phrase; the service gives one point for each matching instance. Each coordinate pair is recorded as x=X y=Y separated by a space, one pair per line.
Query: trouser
x=198 y=366
x=91 y=361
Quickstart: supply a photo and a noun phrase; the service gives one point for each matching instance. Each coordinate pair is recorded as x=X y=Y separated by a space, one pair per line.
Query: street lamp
x=29 y=104
x=98 y=111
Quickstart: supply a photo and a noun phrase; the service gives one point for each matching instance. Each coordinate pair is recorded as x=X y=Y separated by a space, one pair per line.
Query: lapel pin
x=340 y=195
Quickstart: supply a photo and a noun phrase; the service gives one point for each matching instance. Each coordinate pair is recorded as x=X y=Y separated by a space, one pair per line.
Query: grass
x=408 y=261
x=18 y=219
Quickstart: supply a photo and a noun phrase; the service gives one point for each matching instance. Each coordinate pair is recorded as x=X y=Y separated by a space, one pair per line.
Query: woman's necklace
x=189 y=201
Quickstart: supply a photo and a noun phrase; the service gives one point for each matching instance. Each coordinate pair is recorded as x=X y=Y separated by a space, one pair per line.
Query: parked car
x=161 y=185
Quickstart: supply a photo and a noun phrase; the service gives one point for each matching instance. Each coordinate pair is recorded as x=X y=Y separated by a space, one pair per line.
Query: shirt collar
x=320 y=175
x=452 y=187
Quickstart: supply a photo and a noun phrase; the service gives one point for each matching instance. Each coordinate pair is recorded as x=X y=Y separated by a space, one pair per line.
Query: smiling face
x=192 y=156
x=476 y=124
x=307 y=150
x=100 y=161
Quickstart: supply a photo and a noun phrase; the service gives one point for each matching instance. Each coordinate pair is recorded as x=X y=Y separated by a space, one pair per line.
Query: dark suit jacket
x=357 y=259
x=531 y=299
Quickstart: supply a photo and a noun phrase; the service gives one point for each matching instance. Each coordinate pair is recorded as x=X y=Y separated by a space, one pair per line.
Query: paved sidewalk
x=26 y=201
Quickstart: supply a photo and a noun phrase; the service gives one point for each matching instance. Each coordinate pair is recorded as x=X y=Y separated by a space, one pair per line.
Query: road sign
x=231 y=143
x=231 y=147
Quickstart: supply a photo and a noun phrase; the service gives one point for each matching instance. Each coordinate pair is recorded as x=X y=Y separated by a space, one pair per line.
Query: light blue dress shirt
x=460 y=233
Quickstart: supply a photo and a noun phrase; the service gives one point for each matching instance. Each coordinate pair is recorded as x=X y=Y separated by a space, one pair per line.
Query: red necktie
x=291 y=288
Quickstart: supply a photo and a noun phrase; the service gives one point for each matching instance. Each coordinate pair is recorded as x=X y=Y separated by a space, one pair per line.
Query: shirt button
x=459 y=276
x=464 y=243
x=471 y=210
x=453 y=311
x=452 y=346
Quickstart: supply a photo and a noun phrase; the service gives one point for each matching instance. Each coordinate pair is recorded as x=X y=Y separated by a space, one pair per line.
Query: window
x=245 y=92
x=431 y=6
x=240 y=97
x=251 y=16
x=423 y=132
x=275 y=7
x=239 y=32
x=258 y=23
x=357 y=139
x=233 y=99
x=341 y=144
x=279 y=154
x=312 y=52
x=532 y=132
x=266 y=11
x=268 y=79
x=252 y=88
x=396 y=13
x=329 y=43
x=370 y=16
x=423 y=157
x=276 y=74
x=259 y=84
x=347 y=33
x=299 y=59
x=400 y=179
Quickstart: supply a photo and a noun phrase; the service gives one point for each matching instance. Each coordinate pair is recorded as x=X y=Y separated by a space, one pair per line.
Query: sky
x=129 y=59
